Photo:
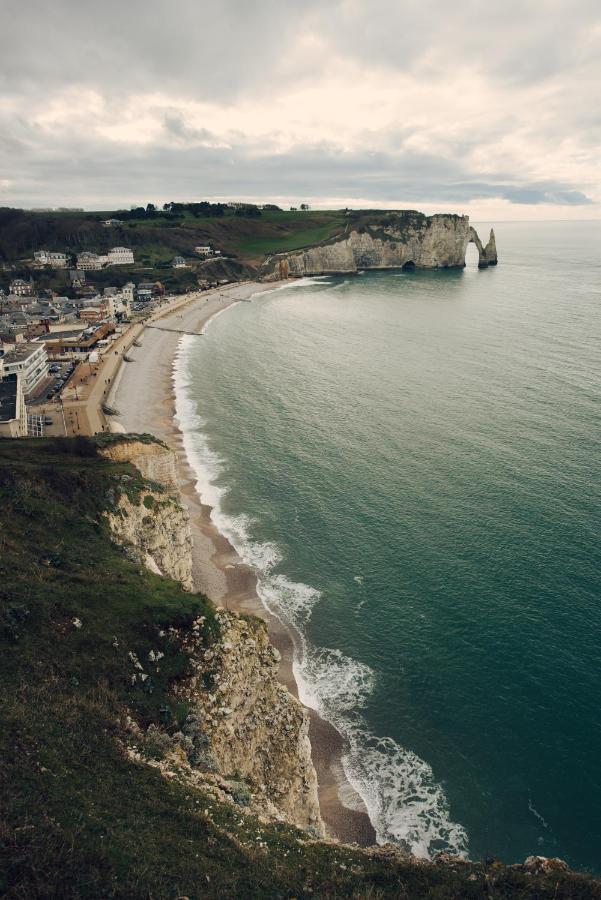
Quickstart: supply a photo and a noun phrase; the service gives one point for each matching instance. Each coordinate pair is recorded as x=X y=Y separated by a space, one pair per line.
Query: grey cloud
x=209 y=49
x=101 y=175
x=206 y=50
x=552 y=195
x=176 y=127
x=518 y=40
x=218 y=52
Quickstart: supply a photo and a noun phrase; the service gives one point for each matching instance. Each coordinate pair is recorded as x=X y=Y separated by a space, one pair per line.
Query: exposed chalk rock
x=155 y=461
x=161 y=531
x=155 y=523
x=258 y=729
x=405 y=240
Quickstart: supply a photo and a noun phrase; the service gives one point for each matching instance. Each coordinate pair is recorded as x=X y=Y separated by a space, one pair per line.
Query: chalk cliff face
x=252 y=725
x=153 y=523
x=157 y=527
x=408 y=240
x=246 y=738
x=154 y=460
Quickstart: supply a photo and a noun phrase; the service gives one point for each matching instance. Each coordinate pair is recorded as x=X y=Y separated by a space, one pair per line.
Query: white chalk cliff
x=407 y=239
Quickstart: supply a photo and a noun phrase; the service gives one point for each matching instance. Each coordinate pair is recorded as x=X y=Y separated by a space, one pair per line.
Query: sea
x=411 y=461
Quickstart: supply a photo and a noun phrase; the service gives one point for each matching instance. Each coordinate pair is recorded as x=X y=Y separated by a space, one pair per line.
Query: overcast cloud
x=490 y=109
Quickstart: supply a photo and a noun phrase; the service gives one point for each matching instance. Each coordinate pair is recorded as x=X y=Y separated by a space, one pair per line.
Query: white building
x=88 y=261
x=51 y=258
x=20 y=287
x=109 y=304
x=179 y=262
x=128 y=291
x=120 y=256
x=30 y=362
x=122 y=305
x=207 y=251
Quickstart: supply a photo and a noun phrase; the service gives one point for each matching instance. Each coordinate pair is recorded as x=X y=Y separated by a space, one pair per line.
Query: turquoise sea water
x=412 y=463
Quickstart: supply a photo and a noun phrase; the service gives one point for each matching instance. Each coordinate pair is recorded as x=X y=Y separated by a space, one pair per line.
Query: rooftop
x=22 y=351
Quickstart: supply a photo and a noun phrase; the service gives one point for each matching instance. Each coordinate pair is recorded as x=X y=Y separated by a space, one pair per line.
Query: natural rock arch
x=487 y=256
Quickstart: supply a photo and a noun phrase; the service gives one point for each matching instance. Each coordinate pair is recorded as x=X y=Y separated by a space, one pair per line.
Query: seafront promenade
x=78 y=410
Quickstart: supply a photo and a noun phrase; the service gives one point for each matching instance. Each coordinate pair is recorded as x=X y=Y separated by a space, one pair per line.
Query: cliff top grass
x=245 y=242
x=77 y=817
x=155 y=241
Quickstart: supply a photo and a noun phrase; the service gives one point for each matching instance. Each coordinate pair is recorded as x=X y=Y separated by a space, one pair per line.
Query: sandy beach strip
x=144 y=394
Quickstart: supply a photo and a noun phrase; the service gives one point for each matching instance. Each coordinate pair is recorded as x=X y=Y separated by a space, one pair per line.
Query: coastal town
x=60 y=352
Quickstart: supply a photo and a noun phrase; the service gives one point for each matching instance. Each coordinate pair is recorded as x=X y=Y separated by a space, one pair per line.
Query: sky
x=489 y=109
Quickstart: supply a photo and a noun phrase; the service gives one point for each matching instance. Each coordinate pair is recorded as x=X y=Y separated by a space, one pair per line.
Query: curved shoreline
x=147 y=398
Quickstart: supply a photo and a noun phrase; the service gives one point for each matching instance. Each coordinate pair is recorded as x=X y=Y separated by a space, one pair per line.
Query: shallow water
x=412 y=463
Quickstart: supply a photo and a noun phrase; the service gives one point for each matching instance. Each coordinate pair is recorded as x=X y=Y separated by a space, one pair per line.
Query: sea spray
x=404 y=802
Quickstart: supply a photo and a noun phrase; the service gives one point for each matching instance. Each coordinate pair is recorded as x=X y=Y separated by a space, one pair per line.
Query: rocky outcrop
x=151 y=522
x=157 y=527
x=246 y=737
x=405 y=240
x=152 y=458
x=252 y=726
x=487 y=256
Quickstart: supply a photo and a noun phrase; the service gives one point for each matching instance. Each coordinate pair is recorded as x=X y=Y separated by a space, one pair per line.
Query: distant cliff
x=400 y=240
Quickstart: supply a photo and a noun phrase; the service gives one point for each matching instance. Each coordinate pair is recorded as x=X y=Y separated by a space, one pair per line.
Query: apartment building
x=120 y=256
x=51 y=258
x=30 y=361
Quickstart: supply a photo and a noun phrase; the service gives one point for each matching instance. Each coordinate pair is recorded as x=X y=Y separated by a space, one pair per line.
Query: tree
x=304 y=206
x=248 y=211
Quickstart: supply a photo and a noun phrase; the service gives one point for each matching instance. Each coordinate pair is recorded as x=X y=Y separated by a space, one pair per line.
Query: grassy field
x=78 y=819
x=158 y=240
x=289 y=231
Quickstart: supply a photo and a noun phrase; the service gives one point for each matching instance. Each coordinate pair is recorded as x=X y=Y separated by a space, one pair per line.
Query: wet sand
x=144 y=394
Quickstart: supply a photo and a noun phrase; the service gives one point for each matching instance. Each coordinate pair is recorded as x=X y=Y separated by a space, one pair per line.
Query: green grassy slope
x=158 y=240
x=77 y=817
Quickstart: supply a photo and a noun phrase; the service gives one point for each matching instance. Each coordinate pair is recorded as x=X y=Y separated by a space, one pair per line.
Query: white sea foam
x=404 y=802
x=307 y=281
x=536 y=813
